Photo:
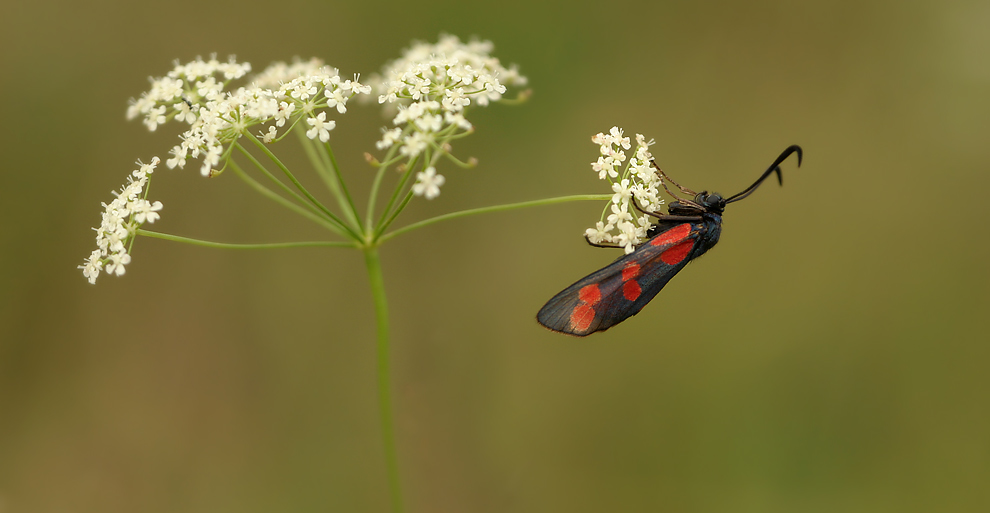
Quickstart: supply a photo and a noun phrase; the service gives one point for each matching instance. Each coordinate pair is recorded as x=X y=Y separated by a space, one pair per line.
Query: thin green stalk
x=349 y=207
x=384 y=376
x=292 y=178
x=395 y=214
x=373 y=197
x=288 y=190
x=226 y=245
x=268 y=193
x=398 y=189
x=334 y=181
x=458 y=162
x=318 y=163
x=495 y=208
x=369 y=221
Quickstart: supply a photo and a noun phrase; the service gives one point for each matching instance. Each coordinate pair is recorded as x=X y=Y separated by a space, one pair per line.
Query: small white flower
x=268 y=137
x=209 y=89
x=599 y=233
x=618 y=155
x=283 y=113
x=623 y=191
x=620 y=214
x=146 y=169
x=389 y=137
x=428 y=183
x=211 y=158
x=303 y=89
x=414 y=144
x=156 y=116
x=321 y=127
x=429 y=122
x=605 y=166
x=117 y=263
x=617 y=138
x=93 y=266
x=146 y=211
x=336 y=98
x=643 y=225
x=627 y=237
x=184 y=112
x=455 y=99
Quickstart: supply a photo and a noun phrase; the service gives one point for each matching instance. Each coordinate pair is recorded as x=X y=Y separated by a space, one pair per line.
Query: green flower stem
x=317 y=162
x=264 y=149
x=395 y=194
x=370 y=219
x=373 y=197
x=495 y=208
x=348 y=207
x=385 y=225
x=225 y=245
x=265 y=191
x=322 y=164
x=458 y=162
x=288 y=190
x=384 y=376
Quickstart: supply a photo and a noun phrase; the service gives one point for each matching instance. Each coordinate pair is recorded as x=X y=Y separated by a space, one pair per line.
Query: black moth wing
x=621 y=289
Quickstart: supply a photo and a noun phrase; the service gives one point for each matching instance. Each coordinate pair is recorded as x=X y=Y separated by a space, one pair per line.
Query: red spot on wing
x=630 y=271
x=583 y=314
x=581 y=317
x=677 y=253
x=672 y=235
x=631 y=290
x=590 y=294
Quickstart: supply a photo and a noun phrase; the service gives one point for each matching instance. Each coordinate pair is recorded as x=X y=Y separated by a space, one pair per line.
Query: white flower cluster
x=121 y=219
x=432 y=85
x=195 y=93
x=637 y=181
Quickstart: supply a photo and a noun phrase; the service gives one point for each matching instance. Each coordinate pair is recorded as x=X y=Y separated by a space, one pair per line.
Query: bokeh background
x=829 y=355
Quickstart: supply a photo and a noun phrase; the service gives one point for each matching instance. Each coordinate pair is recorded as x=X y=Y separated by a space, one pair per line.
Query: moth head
x=712 y=202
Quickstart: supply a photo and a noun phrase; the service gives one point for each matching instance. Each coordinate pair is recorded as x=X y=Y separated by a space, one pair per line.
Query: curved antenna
x=775 y=167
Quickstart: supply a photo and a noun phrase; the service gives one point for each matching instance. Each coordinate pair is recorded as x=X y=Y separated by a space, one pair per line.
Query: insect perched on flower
x=621 y=289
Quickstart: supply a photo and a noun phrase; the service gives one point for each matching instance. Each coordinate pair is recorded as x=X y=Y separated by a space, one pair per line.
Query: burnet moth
x=621 y=289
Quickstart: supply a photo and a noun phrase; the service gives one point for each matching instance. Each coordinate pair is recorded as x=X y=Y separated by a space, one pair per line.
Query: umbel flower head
x=222 y=109
x=121 y=218
x=197 y=94
x=621 y=222
x=432 y=86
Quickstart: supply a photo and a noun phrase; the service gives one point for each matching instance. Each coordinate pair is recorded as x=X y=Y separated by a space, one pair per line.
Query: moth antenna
x=774 y=168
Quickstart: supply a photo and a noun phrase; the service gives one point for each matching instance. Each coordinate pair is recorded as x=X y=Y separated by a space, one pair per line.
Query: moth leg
x=597 y=245
x=664 y=178
x=635 y=203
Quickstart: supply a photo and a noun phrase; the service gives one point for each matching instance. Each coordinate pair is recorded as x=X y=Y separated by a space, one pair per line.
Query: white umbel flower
x=121 y=218
x=199 y=94
x=637 y=181
x=432 y=86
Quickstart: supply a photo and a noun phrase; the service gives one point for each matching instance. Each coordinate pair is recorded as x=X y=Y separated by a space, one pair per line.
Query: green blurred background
x=829 y=355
